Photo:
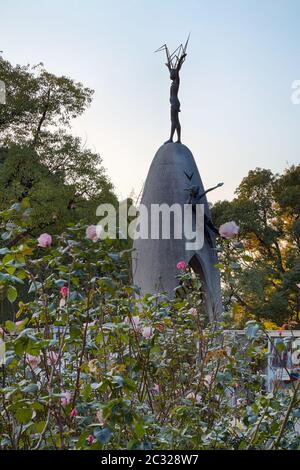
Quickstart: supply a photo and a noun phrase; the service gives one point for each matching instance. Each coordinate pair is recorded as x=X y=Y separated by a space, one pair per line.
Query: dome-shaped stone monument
x=174 y=178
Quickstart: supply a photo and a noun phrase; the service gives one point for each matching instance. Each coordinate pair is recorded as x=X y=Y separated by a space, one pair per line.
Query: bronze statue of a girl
x=174 y=64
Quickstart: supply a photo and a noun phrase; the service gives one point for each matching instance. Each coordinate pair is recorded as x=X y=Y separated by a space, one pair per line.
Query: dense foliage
x=88 y=363
x=88 y=366
x=266 y=262
x=39 y=156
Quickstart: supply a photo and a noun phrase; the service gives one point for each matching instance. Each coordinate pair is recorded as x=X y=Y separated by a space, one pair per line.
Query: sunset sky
x=235 y=88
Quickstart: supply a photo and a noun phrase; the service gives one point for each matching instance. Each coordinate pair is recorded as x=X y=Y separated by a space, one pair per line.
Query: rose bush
x=95 y=367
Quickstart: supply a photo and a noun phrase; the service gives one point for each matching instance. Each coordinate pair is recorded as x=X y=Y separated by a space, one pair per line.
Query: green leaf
x=219 y=266
x=296 y=413
x=103 y=435
x=247 y=258
x=16 y=279
x=86 y=392
x=139 y=429
x=31 y=388
x=251 y=330
x=12 y=294
x=23 y=415
x=39 y=426
x=10 y=326
x=25 y=203
x=82 y=441
x=75 y=331
x=4 y=251
x=279 y=345
x=4 y=276
x=60 y=282
x=6 y=235
x=34 y=286
x=119 y=380
x=7 y=258
x=129 y=384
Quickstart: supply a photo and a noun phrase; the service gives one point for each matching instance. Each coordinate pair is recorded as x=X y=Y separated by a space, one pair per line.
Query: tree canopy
x=266 y=270
x=40 y=158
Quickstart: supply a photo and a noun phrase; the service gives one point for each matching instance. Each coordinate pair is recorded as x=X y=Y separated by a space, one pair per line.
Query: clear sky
x=235 y=84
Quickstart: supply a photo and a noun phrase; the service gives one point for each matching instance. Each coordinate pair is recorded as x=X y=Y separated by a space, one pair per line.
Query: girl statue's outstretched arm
x=211 y=189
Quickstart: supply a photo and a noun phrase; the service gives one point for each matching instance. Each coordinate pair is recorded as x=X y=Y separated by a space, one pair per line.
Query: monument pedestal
x=154 y=260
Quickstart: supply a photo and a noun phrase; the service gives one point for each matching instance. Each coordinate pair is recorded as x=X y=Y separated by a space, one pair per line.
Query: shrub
x=90 y=365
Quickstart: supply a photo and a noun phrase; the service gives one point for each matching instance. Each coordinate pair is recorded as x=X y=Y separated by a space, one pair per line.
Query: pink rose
x=64 y=292
x=33 y=361
x=93 y=232
x=73 y=413
x=193 y=311
x=90 y=439
x=65 y=398
x=198 y=398
x=44 y=240
x=194 y=397
x=208 y=379
x=229 y=230
x=52 y=358
x=134 y=321
x=181 y=265
x=147 y=332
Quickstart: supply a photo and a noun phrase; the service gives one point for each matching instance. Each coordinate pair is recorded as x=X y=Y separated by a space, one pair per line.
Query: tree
x=36 y=100
x=40 y=158
x=22 y=175
x=267 y=269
